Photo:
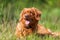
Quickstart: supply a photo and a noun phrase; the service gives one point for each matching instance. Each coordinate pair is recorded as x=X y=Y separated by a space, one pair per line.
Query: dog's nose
x=26 y=16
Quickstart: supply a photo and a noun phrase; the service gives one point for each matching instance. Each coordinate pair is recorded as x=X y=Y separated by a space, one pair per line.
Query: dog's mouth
x=27 y=24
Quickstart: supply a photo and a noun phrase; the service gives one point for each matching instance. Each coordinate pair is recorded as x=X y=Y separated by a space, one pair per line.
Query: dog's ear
x=37 y=13
x=21 y=14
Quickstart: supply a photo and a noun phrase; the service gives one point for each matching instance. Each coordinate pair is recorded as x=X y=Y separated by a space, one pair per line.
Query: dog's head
x=30 y=15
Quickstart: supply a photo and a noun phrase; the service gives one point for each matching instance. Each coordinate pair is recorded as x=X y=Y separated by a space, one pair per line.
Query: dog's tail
x=55 y=34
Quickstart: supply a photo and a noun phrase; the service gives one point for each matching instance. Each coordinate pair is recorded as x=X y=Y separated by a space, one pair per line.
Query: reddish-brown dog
x=28 y=23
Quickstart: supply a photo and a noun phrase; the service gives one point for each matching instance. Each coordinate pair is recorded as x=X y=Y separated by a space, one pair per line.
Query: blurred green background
x=10 y=12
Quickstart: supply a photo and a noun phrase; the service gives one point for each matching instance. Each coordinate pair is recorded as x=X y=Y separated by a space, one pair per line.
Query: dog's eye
x=32 y=13
x=39 y=14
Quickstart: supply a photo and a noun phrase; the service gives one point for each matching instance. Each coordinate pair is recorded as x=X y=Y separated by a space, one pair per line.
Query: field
x=50 y=19
x=10 y=13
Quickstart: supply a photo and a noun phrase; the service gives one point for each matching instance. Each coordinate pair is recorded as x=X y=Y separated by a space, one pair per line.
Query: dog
x=28 y=23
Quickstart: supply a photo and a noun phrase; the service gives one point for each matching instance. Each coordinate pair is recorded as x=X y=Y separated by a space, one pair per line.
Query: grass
x=50 y=19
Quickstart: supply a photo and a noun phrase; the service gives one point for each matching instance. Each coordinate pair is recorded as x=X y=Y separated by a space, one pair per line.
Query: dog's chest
x=27 y=32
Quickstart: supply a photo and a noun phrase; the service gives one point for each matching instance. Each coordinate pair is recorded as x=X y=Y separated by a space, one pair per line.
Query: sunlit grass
x=49 y=20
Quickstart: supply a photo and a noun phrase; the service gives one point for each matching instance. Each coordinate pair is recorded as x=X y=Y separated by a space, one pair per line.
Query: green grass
x=10 y=12
x=50 y=19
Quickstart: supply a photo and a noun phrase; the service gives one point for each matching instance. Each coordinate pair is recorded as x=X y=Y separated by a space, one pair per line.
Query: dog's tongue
x=27 y=22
